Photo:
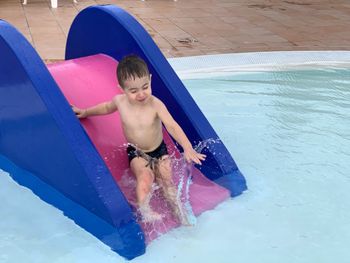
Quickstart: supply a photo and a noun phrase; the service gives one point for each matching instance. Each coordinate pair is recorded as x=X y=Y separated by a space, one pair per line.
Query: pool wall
x=225 y=64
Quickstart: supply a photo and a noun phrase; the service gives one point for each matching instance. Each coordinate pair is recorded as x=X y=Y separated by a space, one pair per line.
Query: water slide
x=82 y=166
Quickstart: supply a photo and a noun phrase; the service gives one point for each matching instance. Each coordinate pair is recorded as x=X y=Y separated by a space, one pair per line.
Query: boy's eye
x=144 y=88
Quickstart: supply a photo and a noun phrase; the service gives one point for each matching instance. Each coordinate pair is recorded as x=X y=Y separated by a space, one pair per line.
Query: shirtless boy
x=142 y=116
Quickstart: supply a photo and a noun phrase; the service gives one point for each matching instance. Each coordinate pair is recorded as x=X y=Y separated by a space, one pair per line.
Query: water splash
x=183 y=193
x=206 y=144
x=181 y=178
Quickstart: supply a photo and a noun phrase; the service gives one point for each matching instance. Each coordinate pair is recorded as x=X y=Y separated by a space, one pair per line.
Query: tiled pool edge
x=202 y=66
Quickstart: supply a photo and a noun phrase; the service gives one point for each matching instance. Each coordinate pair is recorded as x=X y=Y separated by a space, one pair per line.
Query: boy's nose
x=141 y=95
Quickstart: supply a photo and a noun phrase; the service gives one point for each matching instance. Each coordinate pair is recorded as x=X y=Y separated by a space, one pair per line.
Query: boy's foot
x=151 y=216
x=148 y=215
x=185 y=217
x=185 y=221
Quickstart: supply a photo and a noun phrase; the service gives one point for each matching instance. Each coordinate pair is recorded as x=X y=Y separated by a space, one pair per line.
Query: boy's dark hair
x=131 y=66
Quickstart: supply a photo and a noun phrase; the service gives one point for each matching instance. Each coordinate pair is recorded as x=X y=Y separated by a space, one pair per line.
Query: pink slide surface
x=90 y=80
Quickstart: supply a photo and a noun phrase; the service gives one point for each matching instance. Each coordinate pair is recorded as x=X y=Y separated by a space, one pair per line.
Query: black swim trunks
x=160 y=151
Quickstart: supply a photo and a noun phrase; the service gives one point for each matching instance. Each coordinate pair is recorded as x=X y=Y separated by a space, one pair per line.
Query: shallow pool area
x=287 y=125
x=289 y=133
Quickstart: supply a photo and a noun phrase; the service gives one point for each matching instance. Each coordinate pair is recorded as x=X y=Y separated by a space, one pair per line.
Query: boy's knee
x=166 y=177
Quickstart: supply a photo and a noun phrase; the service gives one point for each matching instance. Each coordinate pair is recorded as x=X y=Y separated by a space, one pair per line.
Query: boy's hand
x=80 y=113
x=192 y=155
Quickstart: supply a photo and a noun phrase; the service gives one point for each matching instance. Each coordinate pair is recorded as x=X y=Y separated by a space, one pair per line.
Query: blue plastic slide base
x=234 y=181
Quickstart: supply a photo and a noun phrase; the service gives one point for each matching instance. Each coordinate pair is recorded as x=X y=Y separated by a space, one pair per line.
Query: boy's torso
x=141 y=124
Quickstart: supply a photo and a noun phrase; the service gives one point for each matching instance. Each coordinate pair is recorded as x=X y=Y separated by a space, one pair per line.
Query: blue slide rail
x=112 y=31
x=44 y=147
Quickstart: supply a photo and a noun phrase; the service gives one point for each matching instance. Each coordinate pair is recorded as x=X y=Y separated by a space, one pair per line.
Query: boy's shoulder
x=118 y=98
x=156 y=100
x=156 y=103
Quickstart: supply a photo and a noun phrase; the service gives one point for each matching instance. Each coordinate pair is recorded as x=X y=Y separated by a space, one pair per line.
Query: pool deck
x=198 y=27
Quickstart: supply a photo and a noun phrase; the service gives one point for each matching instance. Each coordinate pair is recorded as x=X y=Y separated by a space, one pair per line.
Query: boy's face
x=138 y=90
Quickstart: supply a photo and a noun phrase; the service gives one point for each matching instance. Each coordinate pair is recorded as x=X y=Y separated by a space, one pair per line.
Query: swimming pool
x=289 y=132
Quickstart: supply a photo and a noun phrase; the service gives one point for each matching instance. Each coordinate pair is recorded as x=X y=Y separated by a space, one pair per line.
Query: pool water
x=289 y=133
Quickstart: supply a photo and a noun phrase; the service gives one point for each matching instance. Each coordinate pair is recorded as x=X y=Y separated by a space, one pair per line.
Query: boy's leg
x=144 y=180
x=169 y=190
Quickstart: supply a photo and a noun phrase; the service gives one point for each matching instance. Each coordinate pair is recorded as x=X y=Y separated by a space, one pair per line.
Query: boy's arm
x=99 y=109
x=177 y=133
